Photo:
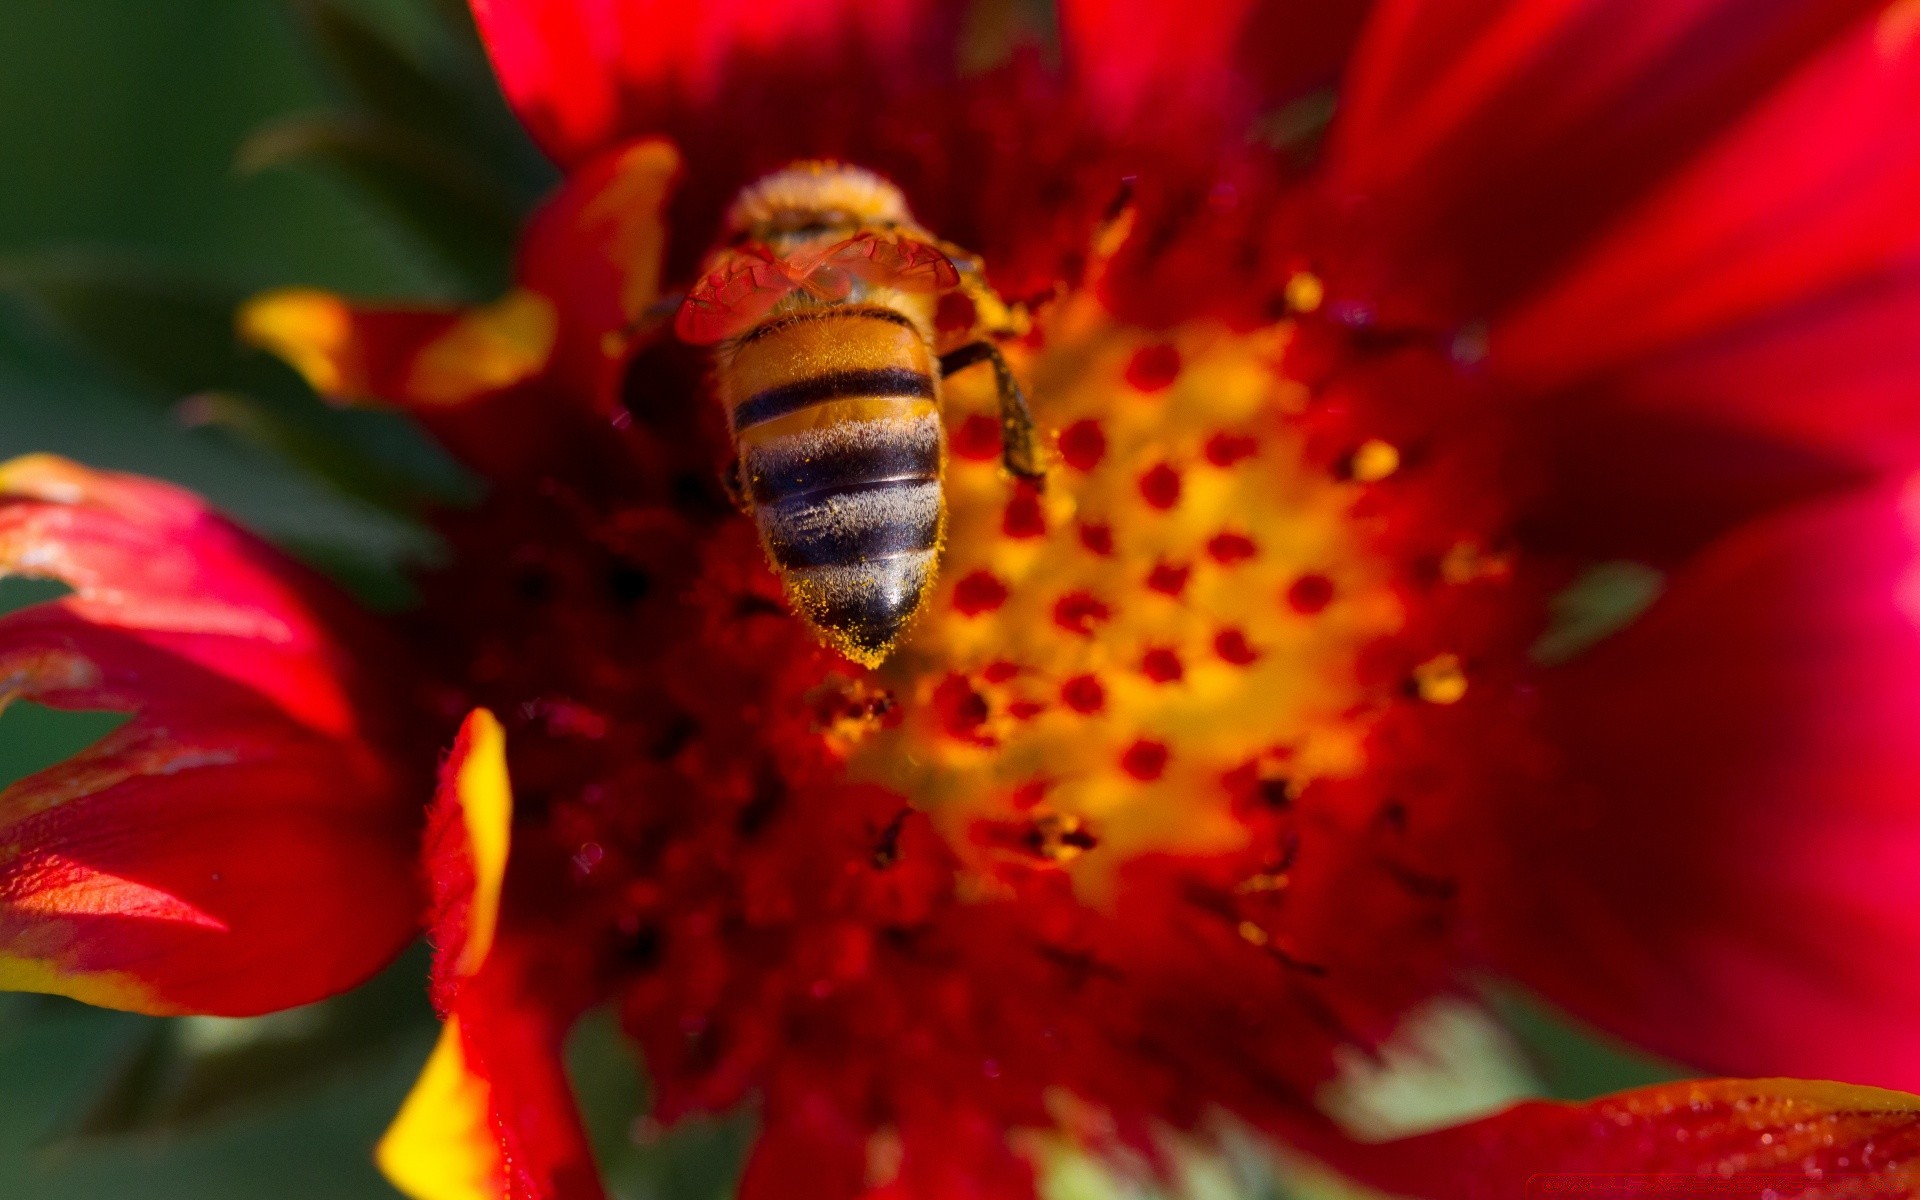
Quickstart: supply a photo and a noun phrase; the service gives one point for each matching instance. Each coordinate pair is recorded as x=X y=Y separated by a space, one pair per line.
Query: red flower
x=1239 y=740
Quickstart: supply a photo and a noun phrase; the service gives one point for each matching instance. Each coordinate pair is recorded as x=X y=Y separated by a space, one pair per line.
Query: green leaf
x=193 y=1071
x=34 y=737
x=170 y=333
x=437 y=194
x=440 y=87
x=1575 y=1061
x=309 y=445
x=699 y=1158
x=1601 y=602
x=379 y=76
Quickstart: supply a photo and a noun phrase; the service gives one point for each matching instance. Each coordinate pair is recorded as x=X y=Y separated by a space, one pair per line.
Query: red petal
x=1818 y=189
x=243 y=843
x=1782 y=1138
x=1131 y=55
x=1656 y=461
x=1838 y=376
x=493 y=1114
x=1735 y=851
x=595 y=249
x=584 y=74
x=1492 y=138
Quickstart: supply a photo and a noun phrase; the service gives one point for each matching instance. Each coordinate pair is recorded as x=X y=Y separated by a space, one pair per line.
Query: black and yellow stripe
x=836 y=417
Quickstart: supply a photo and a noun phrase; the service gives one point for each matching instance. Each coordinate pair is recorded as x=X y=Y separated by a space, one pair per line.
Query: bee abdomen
x=852 y=513
x=847 y=525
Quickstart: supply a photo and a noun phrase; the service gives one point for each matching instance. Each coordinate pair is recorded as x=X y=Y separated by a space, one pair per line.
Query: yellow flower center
x=1109 y=665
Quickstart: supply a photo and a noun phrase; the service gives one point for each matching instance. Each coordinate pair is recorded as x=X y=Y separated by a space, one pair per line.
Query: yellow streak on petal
x=53 y=885
x=1897 y=29
x=441 y=1145
x=486 y=808
x=102 y=989
x=47 y=477
x=311 y=330
x=626 y=219
x=491 y=348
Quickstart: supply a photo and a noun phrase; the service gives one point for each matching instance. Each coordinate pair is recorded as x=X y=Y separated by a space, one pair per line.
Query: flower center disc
x=1175 y=620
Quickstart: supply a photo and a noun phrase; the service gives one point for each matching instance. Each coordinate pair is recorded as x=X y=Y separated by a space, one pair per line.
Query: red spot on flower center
x=1168 y=578
x=999 y=671
x=1226 y=449
x=1083 y=445
x=955 y=313
x=1097 y=538
x=1161 y=486
x=1023 y=517
x=1310 y=593
x=962 y=710
x=1030 y=793
x=1153 y=367
x=1230 y=548
x=1079 y=612
x=1162 y=666
x=979 y=592
x=1083 y=694
x=978 y=438
x=1145 y=760
x=1232 y=646
x=1025 y=710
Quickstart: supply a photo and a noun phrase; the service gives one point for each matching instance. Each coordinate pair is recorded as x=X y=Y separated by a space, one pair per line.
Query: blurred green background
x=129 y=137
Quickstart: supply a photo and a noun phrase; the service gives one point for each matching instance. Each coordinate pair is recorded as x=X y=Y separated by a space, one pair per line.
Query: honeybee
x=820 y=310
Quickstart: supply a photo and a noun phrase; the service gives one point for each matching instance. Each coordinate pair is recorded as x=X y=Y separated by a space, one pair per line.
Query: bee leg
x=1020 y=447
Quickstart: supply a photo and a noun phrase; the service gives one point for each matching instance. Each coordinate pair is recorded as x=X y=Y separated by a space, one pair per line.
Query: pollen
x=1441 y=680
x=1373 y=461
x=1144 y=639
x=1305 y=292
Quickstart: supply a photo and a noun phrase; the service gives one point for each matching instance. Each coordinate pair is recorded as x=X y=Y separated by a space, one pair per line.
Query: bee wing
x=733 y=298
x=889 y=260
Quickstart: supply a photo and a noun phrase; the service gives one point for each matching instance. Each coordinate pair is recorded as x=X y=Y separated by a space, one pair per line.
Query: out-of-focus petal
x=1244 y=55
x=596 y=250
x=1784 y=1138
x=584 y=74
x=1729 y=871
x=1658 y=459
x=492 y=1117
x=418 y=357
x=1816 y=190
x=1837 y=375
x=487 y=380
x=244 y=842
x=1487 y=141
x=461 y=372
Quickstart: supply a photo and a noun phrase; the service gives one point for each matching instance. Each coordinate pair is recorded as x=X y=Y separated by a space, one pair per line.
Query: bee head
x=815 y=198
